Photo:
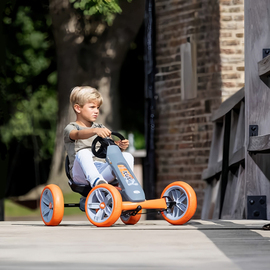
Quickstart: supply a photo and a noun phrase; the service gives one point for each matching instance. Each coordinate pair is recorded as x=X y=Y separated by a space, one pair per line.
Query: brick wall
x=232 y=46
x=184 y=128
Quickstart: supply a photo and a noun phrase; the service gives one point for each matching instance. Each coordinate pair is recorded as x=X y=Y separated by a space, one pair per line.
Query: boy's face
x=89 y=112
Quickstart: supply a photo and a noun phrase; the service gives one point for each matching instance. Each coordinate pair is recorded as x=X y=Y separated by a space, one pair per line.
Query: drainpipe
x=149 y=59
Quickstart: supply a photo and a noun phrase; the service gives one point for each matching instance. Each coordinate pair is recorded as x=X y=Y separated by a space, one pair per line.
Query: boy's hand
x=123 y=144
x=103 y=132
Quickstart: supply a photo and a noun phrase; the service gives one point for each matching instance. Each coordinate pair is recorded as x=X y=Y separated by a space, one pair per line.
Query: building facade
x=199 y=64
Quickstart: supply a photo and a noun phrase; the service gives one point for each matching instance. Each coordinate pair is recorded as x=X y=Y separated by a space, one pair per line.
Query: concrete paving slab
x=151 y=244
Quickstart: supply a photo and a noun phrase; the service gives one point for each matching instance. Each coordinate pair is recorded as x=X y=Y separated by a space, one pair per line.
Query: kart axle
x=71 y=205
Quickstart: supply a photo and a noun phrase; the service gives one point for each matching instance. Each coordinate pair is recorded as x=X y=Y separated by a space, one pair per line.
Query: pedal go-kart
x=123 y=198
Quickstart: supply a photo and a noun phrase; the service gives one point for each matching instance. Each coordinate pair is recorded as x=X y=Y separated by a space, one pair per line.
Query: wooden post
x=225 y=160
x=257 y=96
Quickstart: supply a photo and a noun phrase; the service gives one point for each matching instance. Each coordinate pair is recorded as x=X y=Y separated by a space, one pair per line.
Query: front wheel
x=181 y=203
x=103 y=205
x=52 y=205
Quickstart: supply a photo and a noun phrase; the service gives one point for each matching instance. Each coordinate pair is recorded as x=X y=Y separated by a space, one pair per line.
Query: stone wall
x=184 y=127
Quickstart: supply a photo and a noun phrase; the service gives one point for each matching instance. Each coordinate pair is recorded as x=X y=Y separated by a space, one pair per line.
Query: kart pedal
x=133 y=212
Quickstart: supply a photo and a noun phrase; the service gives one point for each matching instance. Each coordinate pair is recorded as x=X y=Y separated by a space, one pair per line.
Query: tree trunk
x=91 y=59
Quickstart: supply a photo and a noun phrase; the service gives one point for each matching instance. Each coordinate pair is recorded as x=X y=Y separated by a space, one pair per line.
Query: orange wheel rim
x=103 y=205
x=52 y=205
x=184 y=203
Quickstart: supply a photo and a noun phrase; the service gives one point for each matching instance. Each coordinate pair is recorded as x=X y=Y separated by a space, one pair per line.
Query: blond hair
x=82 y=94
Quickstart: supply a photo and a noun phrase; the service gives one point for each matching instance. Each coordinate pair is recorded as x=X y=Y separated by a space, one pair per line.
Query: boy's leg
x=130 y=159
x=84 y=169
x=107 y=172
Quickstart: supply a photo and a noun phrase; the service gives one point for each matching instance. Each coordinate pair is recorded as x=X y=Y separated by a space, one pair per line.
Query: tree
x=89 y=52
x=27 y=85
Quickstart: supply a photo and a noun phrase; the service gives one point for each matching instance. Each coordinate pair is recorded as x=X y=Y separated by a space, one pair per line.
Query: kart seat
x=79 y=188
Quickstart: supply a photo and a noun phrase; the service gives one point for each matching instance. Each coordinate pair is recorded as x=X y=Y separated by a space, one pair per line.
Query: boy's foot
x=114 y=183
x=99 y=181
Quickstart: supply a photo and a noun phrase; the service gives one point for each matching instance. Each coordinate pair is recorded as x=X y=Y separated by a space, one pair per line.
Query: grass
x=13 y=209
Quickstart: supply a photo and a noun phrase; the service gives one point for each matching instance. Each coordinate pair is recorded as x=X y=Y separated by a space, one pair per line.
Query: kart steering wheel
x=104 y=143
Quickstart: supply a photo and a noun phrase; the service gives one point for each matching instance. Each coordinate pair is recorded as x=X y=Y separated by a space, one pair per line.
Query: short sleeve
x=67 y=131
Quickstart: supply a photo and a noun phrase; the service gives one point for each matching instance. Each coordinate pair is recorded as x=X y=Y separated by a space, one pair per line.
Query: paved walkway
x=148 y=245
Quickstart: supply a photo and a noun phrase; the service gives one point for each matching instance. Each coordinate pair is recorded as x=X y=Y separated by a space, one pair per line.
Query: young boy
x=79 y=135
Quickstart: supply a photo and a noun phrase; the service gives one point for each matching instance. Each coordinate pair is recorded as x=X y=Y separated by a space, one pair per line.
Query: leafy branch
x=106 y=8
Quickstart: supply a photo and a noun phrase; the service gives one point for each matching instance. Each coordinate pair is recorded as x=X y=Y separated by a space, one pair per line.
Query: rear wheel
x=181 y=203
x=52 y=205
x=103 y=205
x=131 y=220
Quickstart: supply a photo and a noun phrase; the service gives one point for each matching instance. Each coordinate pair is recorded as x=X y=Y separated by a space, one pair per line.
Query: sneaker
x=99 y=181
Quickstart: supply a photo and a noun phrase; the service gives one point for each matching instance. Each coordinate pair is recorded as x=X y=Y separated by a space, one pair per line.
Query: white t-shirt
x=72 y=147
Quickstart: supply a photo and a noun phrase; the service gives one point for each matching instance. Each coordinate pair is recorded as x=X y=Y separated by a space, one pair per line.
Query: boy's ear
x=77 y=108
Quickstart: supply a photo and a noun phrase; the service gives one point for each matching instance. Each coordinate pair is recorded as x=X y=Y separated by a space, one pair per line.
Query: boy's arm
x=88 y=133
